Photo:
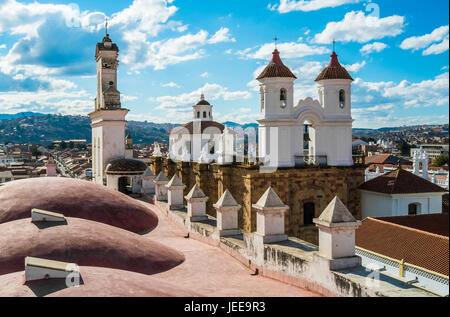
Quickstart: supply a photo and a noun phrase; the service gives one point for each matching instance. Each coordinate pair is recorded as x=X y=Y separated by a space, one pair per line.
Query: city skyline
x=171 y=51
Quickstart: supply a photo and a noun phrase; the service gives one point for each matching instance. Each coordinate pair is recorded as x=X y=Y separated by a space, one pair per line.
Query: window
x=283 y=97
x=198 y=114
x=204 y=114
x=261 y=91
x=413 y=209
x=308 y=214
x=342 y=98
x=210 y=114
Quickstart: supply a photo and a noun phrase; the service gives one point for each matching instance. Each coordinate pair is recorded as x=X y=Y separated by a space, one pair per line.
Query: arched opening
x=261 y=91
x=342 y=98
x=308 y=214
x=125 y=185
x=198 y=114
x=283 y=97
x=209 y=114
x=414 y=209
x=309 y=137
x=204 y=114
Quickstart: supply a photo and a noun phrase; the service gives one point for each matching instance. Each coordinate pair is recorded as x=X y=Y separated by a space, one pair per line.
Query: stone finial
x=196 y=203
x=160 y=187
x=227 y=215
x=270 y=217
x=269 y=200
x=175 y=193
x=161 y=178
x=335 y=214
x=195 y=193
x=226 y=200
x=175 y=182
x=148 y=173
x=337 y=228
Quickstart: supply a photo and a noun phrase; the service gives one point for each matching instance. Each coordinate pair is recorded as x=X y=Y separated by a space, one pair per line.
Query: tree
x=441 y=160
x=35 y=152
x=405 y=148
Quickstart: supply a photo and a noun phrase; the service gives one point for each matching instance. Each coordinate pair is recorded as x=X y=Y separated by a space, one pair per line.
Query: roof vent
x=42 y=269
x=38 y=215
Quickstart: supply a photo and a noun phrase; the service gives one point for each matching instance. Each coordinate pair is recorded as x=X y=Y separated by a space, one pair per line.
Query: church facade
x=304 y=153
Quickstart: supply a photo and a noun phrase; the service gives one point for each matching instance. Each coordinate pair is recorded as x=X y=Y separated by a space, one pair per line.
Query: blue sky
x=171 y=51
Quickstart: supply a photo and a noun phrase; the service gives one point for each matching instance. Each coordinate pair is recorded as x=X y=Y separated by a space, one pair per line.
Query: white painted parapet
x=196 y=204
x=337 y=228
x=270 y=217
x=160 y=187
x=227 y=215
x=175 y=190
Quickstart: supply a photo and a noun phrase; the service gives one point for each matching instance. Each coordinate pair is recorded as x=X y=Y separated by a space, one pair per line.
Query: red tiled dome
x=74 y=198
x=334 y=70
x=276 y=68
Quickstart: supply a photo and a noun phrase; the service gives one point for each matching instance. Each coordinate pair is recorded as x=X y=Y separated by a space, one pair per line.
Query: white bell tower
x=108 y=120
x=334 y=89
x=277 y=132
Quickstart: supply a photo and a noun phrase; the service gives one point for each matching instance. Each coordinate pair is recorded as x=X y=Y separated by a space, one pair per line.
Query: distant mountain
x=19 y=115
x=243 y=126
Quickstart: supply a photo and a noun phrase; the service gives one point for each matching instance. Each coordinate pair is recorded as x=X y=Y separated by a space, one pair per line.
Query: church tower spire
x=108 y=119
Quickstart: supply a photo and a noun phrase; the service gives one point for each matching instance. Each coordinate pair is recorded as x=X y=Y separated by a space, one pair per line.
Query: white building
x=112 y=162
x=282 y=123
x=198 y=140
x=400 y=193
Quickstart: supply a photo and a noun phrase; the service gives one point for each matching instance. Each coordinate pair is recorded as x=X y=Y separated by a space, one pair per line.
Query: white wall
x=382 y=205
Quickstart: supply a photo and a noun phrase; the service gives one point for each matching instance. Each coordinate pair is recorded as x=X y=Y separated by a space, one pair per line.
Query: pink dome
x=84 y=242
x=74 y=198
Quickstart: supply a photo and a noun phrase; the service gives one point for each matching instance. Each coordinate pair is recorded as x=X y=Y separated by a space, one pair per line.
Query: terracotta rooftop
x=401 y=181
x=276 y=68
x=420 y=248
x=334 y=70
x=432 y=223
x=386 y=159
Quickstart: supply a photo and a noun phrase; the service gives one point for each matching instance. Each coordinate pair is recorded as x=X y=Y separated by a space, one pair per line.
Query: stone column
x=270 y=217
x=196 y=204
x=160 y=187
x=227 y=215
x=175 y=193
x=337 y=228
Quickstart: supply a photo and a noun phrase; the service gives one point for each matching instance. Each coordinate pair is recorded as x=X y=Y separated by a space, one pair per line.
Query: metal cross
x=334 y=45
x=276 y=39
x=106 y=25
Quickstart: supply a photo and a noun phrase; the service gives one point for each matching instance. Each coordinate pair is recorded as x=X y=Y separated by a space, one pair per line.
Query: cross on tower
x=276 y=39
x=106 y=25
x=334 y=45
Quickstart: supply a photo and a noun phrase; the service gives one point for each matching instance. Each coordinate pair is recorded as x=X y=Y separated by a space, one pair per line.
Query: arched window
x=261 y=91
x=342 y=98
x=308 y=214
x=204 y=114
x=210 y=114
x=198 y=114
x=283 y=97
x=413 y=209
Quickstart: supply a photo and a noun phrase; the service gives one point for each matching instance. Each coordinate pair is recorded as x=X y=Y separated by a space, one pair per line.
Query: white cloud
x=427 y=93
x=204 y=75
x=418 y=42
x=357 y=27
x=171 y=84
x=286 y=6
x=373 y=47
x=436 y=49
x=126 y=98
x=211 y=92
x=2 y=46
x=356 y=67
x=223 y=35
x=287 y=50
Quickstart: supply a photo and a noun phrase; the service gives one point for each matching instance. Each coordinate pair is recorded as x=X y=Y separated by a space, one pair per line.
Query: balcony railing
x=311 y=160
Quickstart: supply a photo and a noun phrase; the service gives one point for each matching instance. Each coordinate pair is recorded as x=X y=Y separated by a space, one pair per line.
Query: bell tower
x=277 y=132
x=108 y=120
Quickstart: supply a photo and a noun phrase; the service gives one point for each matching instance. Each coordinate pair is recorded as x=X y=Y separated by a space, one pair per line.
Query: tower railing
x=311 y=160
